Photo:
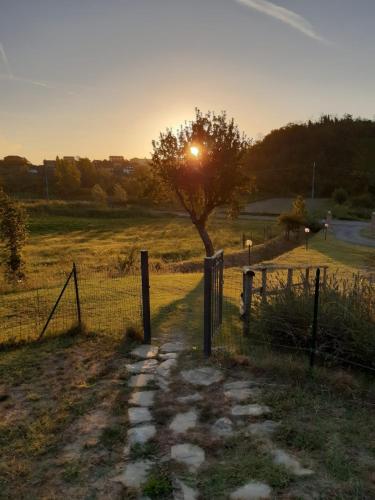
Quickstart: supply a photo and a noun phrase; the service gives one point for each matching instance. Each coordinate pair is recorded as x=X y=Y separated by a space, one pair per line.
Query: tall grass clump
x=346 y=320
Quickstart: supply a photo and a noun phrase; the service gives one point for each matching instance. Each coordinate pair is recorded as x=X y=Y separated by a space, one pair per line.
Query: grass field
x=57 y=239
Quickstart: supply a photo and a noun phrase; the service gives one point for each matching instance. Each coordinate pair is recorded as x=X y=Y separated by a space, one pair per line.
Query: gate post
x=247 y=291
x=207 y=306
x=315 y=319
x=146 y=317
x=78 y=302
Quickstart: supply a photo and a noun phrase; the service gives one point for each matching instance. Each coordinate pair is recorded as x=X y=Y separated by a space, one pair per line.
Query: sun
x=194 y=151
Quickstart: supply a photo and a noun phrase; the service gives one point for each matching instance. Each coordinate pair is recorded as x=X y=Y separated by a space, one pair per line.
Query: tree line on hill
x=81 y=179
x=342 y=150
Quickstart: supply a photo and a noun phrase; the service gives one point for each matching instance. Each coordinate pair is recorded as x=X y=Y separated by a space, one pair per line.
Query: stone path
x=242 y=410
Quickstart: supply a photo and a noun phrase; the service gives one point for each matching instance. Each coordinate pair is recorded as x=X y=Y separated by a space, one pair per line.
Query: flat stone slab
x=141 y=380
x=242 y=394
x=144 y=366
x=222 y=427
x=182 y=491
x=252 y=491
x=172 y=347
x=135 y=474
x=142 y=398
x=184 y=421
x=138 y=415
x=192 y=398
x=253 y=410
x=281 y=457
x=202 y=376
x=168 y=355
x=265 y=428
x=165 y=367
x=145 y=352
x=141 y=434
x=188 y=454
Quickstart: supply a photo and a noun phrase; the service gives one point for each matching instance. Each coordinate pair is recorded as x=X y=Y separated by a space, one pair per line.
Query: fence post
x=243 y=240
x=289 y=282
x=264 y=285
x=146 y=317
x=315 y=319
x=247 y=290
x=207 y=306
x=78 y=302
x=221 y=285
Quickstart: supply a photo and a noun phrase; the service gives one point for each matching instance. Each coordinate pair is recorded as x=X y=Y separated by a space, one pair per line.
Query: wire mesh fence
x=110 y=301
x=282 y=318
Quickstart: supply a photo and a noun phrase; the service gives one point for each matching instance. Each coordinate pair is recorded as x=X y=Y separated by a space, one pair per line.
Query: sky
x=103 y=77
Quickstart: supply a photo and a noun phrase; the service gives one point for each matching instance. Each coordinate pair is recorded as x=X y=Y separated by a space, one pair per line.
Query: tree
x=202 y=165
x=119 y=195
x=299 y=207
x=13 y=232
x=68 y=177
x=89 y=175
x=340 y=196
x=99 y=195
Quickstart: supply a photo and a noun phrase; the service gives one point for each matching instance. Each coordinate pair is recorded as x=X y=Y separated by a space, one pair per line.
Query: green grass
x=368 y=232
x=57 y=239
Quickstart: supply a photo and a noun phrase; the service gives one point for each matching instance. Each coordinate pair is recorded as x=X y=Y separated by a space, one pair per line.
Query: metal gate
x=213 y=298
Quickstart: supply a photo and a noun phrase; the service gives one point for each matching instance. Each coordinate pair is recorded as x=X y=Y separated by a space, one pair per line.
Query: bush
x=363 y=201
x=99 y=195
x=340 y=196
x=346 y=320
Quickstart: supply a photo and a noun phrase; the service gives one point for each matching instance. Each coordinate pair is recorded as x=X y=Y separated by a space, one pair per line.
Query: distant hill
x=343 y=150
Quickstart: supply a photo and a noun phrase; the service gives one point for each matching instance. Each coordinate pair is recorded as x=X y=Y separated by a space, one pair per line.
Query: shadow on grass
x=182 y=315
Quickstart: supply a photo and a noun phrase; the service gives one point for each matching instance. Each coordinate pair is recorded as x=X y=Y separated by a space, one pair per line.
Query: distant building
x=128 y=169
x=116 y=160
x=51 y=164
x=70 y=159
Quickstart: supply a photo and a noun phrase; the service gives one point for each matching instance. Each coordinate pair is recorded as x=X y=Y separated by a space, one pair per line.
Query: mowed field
x=57 y=240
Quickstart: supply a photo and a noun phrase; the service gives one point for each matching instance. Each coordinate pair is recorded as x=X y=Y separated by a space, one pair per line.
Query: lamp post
x=325 y=230
x=307 y=232
x=249 y=244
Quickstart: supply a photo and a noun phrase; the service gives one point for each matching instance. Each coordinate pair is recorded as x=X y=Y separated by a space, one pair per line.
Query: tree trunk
x=205 y=238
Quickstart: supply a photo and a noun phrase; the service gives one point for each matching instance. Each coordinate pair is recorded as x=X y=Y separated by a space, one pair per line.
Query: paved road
x=350 y=231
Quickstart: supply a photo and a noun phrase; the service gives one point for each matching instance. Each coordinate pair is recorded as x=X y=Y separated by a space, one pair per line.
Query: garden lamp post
x=325 y=230
x=307 y=232
x=249 y=244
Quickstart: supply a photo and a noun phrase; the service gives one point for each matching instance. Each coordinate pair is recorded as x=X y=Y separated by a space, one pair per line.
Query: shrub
x=99 y=195
x=119 y=195
x=340 y=196
x=363 y=201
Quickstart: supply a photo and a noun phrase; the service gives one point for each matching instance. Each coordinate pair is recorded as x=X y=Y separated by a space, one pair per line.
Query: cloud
x=5 y=62
x=285 y=15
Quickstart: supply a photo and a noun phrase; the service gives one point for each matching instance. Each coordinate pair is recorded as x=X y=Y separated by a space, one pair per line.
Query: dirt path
x=349 y=231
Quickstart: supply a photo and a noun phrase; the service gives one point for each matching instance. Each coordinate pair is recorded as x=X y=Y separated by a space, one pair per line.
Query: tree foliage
x=99 y=195
x=13 y=232
x=119 y=195
x=68 y=177
x=215 y=177
x=343 y=150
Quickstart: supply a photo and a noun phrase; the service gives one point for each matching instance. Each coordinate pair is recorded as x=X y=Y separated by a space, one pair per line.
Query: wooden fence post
x=289 y=282
x=264 y=285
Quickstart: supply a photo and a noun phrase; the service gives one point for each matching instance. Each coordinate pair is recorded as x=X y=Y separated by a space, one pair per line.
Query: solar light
x=249 y=244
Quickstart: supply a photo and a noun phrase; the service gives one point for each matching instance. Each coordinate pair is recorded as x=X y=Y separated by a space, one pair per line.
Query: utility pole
x=313 y=181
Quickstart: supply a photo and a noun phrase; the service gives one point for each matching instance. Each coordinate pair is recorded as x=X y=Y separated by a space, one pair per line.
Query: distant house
x=70 y=159
x=117 y=161
x=50 y=164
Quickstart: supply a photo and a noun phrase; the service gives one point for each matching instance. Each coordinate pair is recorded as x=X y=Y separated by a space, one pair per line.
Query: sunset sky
x=100 y=77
